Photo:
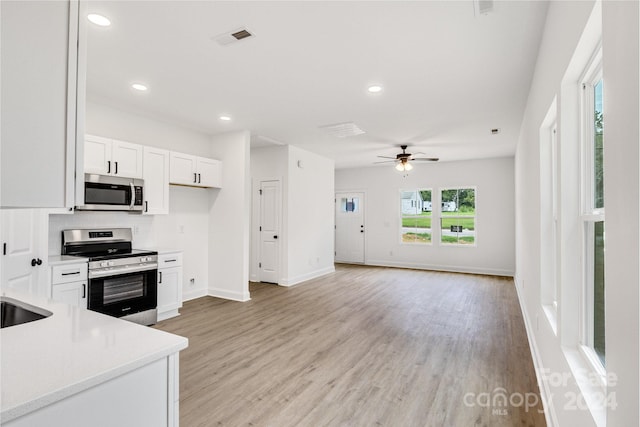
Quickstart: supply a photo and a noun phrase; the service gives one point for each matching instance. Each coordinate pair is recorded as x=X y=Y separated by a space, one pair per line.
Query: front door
x=269 y=258
x=350 y=230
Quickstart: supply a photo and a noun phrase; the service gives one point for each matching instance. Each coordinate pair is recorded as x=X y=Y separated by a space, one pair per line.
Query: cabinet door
x=169 y=289
x=97 y=155
x=74 y=293
x=38 y=103
x=23 y=241
x=127 y=159
x=156 y=181
x=182 y=169
x=209 y=172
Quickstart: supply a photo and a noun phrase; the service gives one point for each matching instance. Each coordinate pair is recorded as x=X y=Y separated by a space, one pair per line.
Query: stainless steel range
x=122 y=280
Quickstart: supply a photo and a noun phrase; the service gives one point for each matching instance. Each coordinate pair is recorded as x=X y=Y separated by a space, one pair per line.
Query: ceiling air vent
x=482 y=7
x=233 y=36
x=342 y=130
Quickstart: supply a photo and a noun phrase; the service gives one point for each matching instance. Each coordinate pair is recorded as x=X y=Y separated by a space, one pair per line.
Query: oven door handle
x=122 y=270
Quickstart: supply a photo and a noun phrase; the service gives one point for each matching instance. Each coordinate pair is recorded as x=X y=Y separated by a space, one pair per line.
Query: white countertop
x=66 y=259
x=50 y=359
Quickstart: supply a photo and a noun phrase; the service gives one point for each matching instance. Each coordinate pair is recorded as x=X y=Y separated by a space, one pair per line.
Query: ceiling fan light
x=400 y=167
x=407 y=166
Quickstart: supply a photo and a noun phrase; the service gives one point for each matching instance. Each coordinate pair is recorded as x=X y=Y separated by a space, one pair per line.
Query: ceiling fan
x=402 y=159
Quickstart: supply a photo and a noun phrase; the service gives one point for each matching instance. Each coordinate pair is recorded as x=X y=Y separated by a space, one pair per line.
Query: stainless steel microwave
x=112 y=193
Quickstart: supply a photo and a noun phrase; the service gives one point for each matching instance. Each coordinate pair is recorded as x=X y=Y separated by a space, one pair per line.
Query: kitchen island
x=78 y=368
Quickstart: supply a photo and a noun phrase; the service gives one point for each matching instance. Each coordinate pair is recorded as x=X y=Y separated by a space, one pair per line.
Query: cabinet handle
x=108 y=166
x=84 y=290
x=71 y=274
x=116 y=167
x=170 y=260
x=199 y=179
x=195 y=178
x=160 y=274
x=146 y=206
x=4 y=249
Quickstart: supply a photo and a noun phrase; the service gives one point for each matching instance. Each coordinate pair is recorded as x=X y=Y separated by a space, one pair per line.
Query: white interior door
x=350 y=227
x=21 y=246
x=269 y=257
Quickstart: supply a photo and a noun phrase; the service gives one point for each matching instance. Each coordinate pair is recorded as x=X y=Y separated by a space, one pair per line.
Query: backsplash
x=141 y=225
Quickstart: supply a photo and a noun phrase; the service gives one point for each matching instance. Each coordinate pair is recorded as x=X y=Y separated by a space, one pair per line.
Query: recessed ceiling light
x=139 y=86
x=225 y=118
x=100 y=20
x=374 y=89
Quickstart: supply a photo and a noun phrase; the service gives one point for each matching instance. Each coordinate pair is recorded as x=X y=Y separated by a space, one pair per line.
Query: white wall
x=268 y=163
x=310 y=218
x=229 y=217
x=188 y=207
x=556 y=75
x=493 y=179
x=108 y=121
x=622 y=137
x=306 y=236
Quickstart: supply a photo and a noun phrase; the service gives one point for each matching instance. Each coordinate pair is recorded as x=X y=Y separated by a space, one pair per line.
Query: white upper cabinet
x=183 y=169
x=195 y=171
x=104 y=156
x=42 y=83
x=156 y=181
x=97 y=155
x=209 y=172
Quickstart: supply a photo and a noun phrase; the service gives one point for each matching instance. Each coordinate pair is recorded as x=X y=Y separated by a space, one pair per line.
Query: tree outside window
x=458 y=216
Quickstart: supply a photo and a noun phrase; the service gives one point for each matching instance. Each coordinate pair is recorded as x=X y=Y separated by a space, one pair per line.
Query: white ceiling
x=449 y=76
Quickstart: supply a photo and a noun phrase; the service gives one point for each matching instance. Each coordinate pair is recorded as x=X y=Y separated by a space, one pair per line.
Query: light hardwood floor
x=364 y=346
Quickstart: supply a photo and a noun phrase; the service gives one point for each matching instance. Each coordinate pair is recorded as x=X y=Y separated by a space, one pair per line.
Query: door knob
x=35 y=262
x=275 y=237
x=362 y=231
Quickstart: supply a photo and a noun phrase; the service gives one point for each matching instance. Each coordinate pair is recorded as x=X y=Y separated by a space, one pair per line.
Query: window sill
x=590 y=381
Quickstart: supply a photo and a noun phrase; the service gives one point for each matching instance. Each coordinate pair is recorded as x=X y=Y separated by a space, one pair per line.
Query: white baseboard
x=448 y=268
x=187 y=296
x=307 y=276
x=545 y=392
x=231 y=295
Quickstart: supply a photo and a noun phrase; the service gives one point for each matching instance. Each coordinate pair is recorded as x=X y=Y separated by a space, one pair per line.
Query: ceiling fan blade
x=385 y=161
x=387 y=157
x=427 y=159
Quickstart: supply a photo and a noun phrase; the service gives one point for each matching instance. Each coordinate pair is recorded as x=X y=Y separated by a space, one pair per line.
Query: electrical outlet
x=181 y=229
x=136 y=229
x=391 y=253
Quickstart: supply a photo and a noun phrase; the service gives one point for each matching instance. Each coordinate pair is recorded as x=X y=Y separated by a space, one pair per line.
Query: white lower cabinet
x=74 y=293
x=169 y=284
x=69 y=284
x=145 y=397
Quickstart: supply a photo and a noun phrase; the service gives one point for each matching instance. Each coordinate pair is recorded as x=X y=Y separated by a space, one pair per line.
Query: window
x=416 y=208
x=550 y=216
x=458 y=216
x=554 y=215
x=593 y=215
x=351 y=204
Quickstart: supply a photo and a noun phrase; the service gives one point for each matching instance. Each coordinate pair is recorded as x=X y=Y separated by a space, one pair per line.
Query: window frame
x=589 y=213
x=403 y=215
x=474 y=216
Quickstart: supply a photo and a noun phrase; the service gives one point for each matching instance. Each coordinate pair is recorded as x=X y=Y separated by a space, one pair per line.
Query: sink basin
x=16 y=312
